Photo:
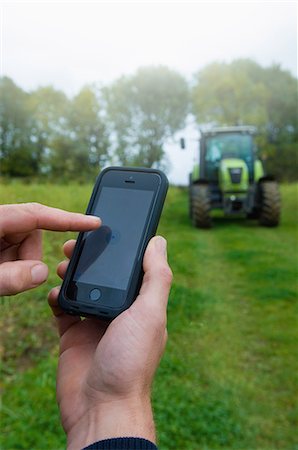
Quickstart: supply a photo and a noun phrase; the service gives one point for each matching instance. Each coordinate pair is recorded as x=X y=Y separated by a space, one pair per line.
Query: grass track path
x=244 y=339
x=227 y=380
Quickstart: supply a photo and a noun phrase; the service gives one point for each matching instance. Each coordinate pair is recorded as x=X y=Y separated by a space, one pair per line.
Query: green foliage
x=281 y=159
x=83 y=150
x=243 y=92
x=19 y=156
x=228 y=377
x=45 y=134
x=144 y=110
x=230 y=94
x=48 y=108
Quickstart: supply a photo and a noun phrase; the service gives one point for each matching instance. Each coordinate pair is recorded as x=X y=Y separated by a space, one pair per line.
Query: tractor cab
x=229 y=175
x=227 y=145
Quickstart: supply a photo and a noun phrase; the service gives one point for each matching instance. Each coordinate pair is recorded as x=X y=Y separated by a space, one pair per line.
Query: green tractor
x=230 y=177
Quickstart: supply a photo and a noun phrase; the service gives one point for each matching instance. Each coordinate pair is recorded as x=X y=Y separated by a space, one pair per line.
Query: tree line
x=44 y=133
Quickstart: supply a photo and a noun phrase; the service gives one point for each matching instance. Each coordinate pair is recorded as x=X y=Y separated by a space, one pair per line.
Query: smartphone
x=105 y=272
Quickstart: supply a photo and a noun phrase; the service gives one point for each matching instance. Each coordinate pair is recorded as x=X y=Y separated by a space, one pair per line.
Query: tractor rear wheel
x=200 y=206
x=270 y=204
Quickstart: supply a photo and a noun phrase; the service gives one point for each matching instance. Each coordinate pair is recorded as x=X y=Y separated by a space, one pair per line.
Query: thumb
x=157 y=275
x=19 y=276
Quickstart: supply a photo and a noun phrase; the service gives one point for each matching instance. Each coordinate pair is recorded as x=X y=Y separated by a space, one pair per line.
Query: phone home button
x=95 y=294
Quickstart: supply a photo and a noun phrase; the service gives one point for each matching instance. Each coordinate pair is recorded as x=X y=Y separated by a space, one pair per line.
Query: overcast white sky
x=69 y=44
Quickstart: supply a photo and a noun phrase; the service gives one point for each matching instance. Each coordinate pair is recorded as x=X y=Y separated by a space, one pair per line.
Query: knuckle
x=166 y=274
x=59 y=267
x=161 y=273
x=3 y=284
x=33 y=207
x=53 y=295
x=62 y=266
x=12 y=282
x=68 y=245
x=24 y=279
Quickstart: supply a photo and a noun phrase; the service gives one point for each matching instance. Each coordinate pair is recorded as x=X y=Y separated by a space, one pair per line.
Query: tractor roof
x=235 y=129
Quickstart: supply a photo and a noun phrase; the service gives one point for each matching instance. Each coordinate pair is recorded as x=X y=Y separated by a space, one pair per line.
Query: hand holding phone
x=105 y=272
x=106 y=370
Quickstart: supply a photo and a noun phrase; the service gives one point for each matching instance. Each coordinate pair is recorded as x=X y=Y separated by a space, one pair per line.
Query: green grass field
x=228 y=379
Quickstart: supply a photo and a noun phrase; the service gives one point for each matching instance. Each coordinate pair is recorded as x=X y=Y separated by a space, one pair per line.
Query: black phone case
x=90 y=310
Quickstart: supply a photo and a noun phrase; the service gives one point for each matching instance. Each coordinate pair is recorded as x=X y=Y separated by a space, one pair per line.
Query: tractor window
x=228 y=145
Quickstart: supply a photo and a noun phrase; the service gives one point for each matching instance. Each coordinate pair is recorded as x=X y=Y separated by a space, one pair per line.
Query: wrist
x=117 y=418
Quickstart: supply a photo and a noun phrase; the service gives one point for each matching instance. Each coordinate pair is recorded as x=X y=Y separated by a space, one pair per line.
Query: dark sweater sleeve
x=127 y=443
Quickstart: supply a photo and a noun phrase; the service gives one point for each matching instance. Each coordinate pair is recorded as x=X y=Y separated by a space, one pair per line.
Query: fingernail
x=161 y=245
x=95 y=219
x=39 y=273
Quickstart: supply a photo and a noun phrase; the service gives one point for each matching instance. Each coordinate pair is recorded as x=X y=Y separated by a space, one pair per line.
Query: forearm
x=121 y=418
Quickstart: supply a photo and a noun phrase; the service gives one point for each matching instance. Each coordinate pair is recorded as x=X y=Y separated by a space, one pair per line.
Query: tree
x=45 y=133
x=144 y=110
x=230 y=94
x=49 y=109
x=244 y=92
x=82 y=149
x=19 y=155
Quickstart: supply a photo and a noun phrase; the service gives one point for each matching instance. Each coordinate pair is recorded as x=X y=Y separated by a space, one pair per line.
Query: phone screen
x=108 y=254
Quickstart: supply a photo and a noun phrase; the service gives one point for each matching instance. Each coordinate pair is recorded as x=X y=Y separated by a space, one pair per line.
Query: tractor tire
x=270 y=204
x=200 y=206
x=253 y=215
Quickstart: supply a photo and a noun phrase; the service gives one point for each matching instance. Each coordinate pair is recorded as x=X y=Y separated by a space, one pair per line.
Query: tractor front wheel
x=270 y=204
x=200 y=206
